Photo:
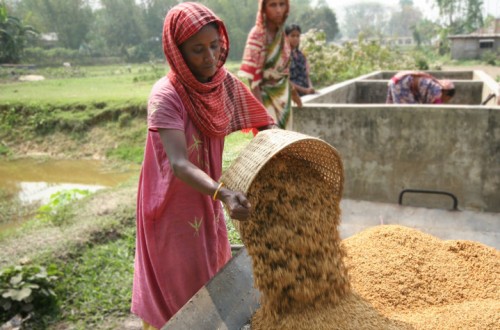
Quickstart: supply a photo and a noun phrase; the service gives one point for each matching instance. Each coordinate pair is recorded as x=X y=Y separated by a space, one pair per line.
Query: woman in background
x=182 y=238
x=266 y=61
x=419 y=87
x=299 y=68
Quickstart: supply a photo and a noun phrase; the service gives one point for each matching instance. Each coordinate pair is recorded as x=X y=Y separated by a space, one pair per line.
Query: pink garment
x=181 y=233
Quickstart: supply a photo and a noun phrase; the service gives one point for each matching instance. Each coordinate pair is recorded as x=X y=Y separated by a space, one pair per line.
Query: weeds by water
x=59 y=210
x=12 y=210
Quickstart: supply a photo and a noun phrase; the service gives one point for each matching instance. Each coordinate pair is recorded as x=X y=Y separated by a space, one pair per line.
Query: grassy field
x=84 y=84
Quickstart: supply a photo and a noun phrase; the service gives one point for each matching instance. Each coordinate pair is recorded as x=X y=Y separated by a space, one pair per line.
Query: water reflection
x=32 y=192
x=33 y=180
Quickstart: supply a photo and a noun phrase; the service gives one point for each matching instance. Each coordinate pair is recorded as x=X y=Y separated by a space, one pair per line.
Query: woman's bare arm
x=174 y=143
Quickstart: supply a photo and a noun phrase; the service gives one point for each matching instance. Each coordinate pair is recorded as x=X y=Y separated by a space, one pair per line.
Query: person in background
x=299 y=68
x=419 y=87
x=182 y=238
x=266 y=61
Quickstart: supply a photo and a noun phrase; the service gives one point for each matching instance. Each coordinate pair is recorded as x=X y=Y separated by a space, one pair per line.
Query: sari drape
x=266 y=65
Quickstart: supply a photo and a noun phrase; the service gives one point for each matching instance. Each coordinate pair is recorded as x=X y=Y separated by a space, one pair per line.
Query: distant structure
x=474 y=45
x=48 y=40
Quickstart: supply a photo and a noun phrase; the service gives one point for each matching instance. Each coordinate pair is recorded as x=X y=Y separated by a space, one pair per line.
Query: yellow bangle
x=217 y=190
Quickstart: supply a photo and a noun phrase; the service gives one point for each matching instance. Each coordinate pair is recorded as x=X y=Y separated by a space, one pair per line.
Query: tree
x=320 y=17
x=403 y=22
x=458 y=17
x=461 y=16
x=368 y=19
x=424 y=31
x=474 y=16
x=239 y=17
x=121 y=25
x=71 y=20
x=153 y=14
x=13 y=36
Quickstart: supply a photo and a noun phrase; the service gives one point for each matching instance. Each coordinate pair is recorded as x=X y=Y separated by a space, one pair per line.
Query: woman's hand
x=238 y=206
x=296 y=98
x=310 y=90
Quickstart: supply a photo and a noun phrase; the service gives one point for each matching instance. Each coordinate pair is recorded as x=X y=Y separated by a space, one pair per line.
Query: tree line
x=131 y=29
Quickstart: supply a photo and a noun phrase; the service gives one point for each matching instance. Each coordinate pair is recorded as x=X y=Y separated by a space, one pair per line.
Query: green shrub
x=124 y=119
x=330 y=63
x=27 y=290
x=422 y=64
x=490 y=57
x=4 y=150
x=58 y=210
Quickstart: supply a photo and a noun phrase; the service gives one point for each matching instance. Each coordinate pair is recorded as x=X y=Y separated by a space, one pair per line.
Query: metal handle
x=455 y=200
x=489 y=97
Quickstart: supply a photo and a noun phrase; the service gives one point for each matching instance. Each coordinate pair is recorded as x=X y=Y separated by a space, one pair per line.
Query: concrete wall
x=452 y=75
x=490 y=87
x=472 y=88
x=388 y=148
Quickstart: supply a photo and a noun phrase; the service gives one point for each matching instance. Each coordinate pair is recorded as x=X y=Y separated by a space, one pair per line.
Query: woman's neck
x=271 y=31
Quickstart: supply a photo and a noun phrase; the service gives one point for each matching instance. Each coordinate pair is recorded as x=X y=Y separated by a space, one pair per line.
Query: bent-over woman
x=419 y=87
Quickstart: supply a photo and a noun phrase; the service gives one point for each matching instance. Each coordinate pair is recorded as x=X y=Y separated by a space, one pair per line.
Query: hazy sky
x=427 y=7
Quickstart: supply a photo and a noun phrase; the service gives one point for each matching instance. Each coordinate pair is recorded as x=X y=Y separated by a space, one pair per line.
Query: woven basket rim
x=263 y=142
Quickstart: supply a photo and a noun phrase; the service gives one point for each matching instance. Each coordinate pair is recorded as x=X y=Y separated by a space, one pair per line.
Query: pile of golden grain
x=400 y=278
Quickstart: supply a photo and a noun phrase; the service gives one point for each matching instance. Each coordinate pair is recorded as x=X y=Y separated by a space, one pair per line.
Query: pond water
x=34 y=180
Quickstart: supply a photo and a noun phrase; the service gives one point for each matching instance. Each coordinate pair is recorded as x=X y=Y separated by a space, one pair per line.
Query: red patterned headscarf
x=222 y=105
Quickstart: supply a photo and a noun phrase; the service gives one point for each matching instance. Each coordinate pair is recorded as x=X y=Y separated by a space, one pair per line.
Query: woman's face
x=275 y=11
x=445 y=98
x=201 y=52
x=294 y=38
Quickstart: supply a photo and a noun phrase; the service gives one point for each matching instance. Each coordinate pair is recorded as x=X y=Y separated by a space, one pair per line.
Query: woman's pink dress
x=181 y=233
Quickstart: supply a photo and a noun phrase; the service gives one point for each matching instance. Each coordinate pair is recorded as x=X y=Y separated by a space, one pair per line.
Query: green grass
x=233 y=145
x=85 y=84
x=64 y=90
x=98 y=283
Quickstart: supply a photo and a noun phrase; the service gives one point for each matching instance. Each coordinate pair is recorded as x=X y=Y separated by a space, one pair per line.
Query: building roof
x=475 y=36
x=490 y=31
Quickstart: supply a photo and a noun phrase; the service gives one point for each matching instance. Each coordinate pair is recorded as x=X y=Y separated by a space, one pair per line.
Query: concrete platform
x=482 y=227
